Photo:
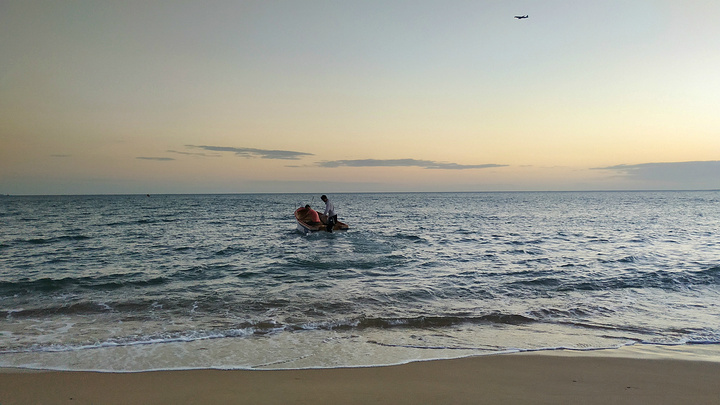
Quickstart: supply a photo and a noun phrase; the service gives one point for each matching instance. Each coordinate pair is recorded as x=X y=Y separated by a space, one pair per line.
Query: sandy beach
x=507 y=378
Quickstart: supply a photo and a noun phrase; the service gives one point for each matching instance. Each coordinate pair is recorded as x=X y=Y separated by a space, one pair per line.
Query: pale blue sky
x=285 y=96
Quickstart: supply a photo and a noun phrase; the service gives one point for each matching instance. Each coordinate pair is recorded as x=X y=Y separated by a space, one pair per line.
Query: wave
x=259 y=328
x=80 y=308
x=108 y=282
x=43 y=241
x=411 y=238
x=661 y=279
x=132 y=341
x=268 y=328
x=424 y=322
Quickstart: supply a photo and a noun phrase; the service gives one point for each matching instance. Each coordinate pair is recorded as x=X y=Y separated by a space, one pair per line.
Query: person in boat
x=329 y=212
x=310 y=216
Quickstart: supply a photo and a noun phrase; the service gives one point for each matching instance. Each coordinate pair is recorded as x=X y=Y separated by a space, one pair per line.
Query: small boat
x=307 y=228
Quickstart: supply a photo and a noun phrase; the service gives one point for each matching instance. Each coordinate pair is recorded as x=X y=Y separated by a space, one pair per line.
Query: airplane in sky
x=520 y=17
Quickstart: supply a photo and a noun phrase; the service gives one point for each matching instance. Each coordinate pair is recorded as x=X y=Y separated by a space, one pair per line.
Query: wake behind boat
x=306 y=225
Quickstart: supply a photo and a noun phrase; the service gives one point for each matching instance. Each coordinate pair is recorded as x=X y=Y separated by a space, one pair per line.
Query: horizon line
x=376 y=192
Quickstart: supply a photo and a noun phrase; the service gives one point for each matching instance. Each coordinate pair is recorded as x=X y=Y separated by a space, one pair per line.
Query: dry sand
x=497 y=379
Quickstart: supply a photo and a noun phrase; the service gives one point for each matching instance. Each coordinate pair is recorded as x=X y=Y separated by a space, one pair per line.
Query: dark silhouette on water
x=520 y=17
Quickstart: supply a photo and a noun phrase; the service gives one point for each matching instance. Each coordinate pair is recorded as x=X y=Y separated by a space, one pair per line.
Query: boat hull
x=308 y=228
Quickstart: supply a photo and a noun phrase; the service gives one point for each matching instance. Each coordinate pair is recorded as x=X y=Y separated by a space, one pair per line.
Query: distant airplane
x=520 y=17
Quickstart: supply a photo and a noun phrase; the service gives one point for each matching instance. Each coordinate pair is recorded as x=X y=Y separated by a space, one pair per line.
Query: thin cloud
x=425 y=164
x=161 y=159
x=195 y=153
x=254 y=153
x=700 y=168
x=681 y=175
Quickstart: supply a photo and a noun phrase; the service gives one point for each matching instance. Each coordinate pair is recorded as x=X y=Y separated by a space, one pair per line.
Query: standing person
x=329 y=212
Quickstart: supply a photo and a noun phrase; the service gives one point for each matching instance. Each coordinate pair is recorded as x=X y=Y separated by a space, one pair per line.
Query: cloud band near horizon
x=254 y=153
x=697 y=173
x=426 y=164
x=160 y=159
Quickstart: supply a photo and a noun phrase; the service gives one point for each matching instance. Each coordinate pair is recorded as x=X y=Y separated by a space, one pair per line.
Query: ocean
x=163 y=282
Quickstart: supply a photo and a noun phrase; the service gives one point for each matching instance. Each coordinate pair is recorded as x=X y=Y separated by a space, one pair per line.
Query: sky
x=174 y=96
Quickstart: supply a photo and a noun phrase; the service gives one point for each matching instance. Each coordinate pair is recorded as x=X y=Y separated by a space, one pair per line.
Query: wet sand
x=569 y=378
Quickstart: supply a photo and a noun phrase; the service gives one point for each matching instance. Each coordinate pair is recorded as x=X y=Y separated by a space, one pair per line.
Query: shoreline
x=659 y=375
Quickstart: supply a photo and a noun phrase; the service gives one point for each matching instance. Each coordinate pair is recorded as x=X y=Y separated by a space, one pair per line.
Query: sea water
x=136 y=282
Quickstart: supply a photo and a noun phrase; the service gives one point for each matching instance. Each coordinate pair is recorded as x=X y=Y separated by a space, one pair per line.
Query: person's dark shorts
x=331 y=223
